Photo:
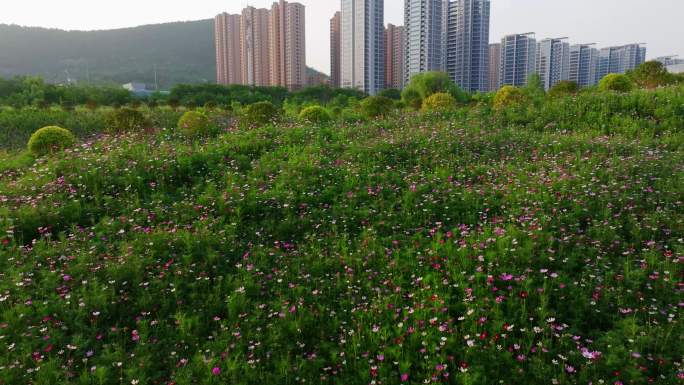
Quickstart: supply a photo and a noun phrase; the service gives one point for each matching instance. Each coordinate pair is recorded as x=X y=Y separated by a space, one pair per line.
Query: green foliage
x=422 y=85
x=375 y=106
x=324 y=95
x=201 y=94
x=651 y=74
x=125 y=119
x=616 y=82
x=477 y=247
x=411 y=98
x=534 y=87
x=508 y=96
x=50 y=139
x=17 y=125
x=391 y=93
x=565 y=87
x=259 y=114
x=193 y=124
x=315 y=114
x=439 y=103
x=33 y=91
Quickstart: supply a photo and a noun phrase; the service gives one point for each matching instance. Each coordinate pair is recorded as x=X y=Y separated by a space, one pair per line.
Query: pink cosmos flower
x=404 y=377
x=216 y=371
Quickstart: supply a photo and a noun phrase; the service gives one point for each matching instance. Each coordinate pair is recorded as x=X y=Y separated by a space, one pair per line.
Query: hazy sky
x=658 y=23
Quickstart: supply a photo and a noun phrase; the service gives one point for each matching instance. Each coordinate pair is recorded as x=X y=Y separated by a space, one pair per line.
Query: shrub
x=508 y=96
x=50 y=139
x=260 y=113
x=124 y=120
x=193 y=124
x=651 y=74
x=565 y=87
x=411 y=98
x=374 y=106
x=423 y=85
x=439 y=102
x=315 y=114
x=391 y=93
x=616 y=82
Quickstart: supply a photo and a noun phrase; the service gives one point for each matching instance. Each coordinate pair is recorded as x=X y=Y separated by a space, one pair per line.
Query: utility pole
x=156 y=81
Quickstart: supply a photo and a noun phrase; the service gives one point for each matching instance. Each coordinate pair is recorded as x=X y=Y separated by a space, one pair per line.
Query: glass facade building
x=467 y=45
x=362 y=54
x=583 y=64
x=518 y=58
x=553 y=61
x=423 y=23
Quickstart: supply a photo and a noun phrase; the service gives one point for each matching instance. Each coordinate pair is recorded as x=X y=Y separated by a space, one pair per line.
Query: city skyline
x=657 y=25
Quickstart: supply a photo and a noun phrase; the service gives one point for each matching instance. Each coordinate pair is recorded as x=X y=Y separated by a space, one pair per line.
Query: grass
x=467 y=248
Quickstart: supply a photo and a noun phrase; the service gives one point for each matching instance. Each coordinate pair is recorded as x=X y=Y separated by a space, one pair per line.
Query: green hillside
x=183 y=52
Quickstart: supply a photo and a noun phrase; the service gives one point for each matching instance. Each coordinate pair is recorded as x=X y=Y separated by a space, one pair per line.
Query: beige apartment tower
x=288 y=45
x=254 y=35
x=394 y=56
x=335 y=50
x=228 y=55
x=494 y=66
x=262 y=47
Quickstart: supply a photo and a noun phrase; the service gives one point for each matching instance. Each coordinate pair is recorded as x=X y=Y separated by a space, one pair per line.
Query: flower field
x=462 y=248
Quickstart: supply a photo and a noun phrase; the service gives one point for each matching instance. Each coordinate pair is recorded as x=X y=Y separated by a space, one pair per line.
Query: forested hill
x=182 y=52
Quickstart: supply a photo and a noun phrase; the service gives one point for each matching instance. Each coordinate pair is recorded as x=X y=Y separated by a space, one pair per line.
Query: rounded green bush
x=508 y=96
x=565 y=87
x=375 y=106
x=50 y=139
x=439 y=103
x=260 y=113
x=315 y=114
x=193 y=124
x=616 y=82
x=124 y=120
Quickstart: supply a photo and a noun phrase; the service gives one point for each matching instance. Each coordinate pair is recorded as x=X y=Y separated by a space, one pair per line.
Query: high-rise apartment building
x=467 y=46
x=518 y=58
x=669 y=60
x=553 y=61
x=394 y=56
x=494 y=66
x=262 y=47
x=255 y=37
x=335 y=50
x=228 y=54
x=424 y=23
x=619 y=60
x=287 y=45
x=362 y=45
x=583 y=64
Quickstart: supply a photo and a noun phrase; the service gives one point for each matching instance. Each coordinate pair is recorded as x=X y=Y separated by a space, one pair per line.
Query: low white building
x=676 y=68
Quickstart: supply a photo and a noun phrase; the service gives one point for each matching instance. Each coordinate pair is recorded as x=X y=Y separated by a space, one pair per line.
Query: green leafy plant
x=439 y=103
x=562 y=88
x=508 y=96
x=315 y=114
x=651 y=74
x=374 y=106
x=125 y=119
x=422 y=85
x=616 y=82
x=50 y=139
x=193 y=124
x=260 y=113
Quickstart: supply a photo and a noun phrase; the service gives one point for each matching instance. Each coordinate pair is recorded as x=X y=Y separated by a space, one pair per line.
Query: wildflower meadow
x=541 y=243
